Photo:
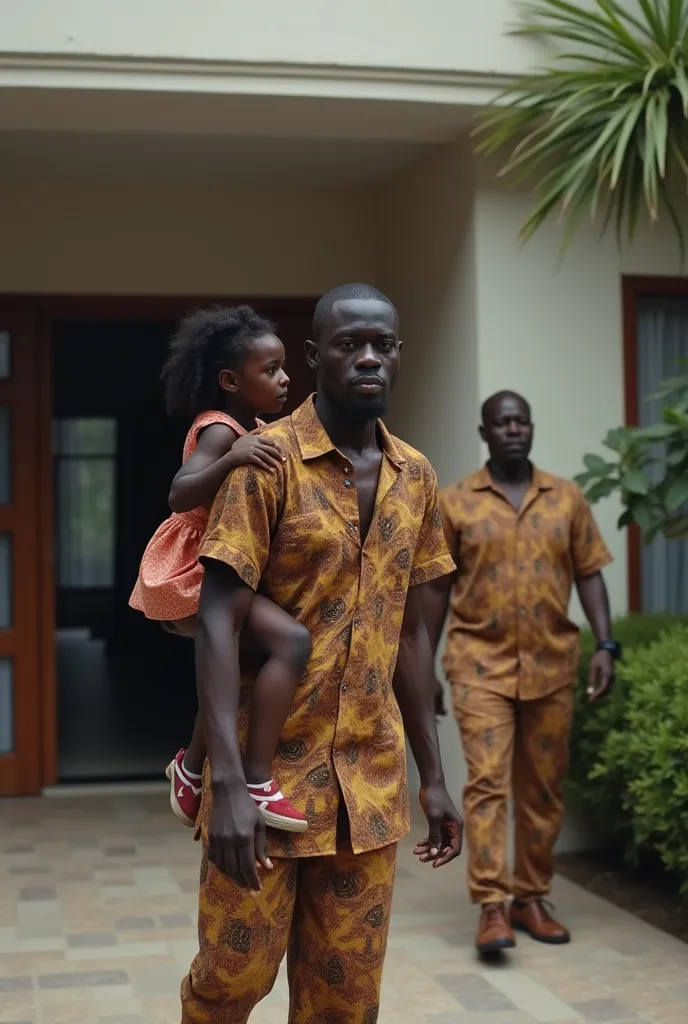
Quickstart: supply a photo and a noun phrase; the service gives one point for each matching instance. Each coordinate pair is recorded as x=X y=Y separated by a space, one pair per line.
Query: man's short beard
x=363 y=408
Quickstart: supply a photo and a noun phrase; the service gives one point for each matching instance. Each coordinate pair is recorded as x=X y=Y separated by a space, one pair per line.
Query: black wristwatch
x=612 y=646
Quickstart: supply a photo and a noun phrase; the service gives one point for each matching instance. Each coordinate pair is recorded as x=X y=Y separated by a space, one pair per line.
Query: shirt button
x=347 y=482
x=344 y=687
x=522 y=611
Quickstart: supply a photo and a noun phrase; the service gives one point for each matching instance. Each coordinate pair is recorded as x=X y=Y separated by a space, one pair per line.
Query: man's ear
x=312 y=354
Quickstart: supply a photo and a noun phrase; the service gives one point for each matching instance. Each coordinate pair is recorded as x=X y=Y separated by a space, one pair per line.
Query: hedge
x=646 y=754
x=601 y=796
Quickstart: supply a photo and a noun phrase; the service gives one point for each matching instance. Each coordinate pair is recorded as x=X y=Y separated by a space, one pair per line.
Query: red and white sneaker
x=277 y=811
x=185 y=791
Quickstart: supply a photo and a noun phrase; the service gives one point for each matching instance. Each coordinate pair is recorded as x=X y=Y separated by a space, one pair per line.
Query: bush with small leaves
x=647 y=751
x=600 y=798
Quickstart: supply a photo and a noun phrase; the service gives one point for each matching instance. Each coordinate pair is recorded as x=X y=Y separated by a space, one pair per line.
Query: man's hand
x=600 y=675
x=236 y=836
x=445 y=833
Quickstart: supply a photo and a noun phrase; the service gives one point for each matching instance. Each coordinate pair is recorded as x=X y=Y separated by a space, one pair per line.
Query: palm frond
x=602 y=127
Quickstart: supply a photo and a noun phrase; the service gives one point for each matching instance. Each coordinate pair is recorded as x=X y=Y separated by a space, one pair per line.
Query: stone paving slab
x=97 y=925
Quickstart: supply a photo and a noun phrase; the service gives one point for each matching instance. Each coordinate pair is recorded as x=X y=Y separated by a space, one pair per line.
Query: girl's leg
x=185 y=772
x=194 y=756
x=287 y=644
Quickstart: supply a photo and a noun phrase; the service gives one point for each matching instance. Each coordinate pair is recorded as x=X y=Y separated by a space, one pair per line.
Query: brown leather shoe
x=534 y=918
x=494 y=932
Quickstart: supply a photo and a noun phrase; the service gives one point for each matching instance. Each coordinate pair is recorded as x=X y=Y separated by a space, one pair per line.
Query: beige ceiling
x=240 y=159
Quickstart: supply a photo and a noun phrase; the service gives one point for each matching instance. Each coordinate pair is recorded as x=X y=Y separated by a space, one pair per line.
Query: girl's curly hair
x=204 y=343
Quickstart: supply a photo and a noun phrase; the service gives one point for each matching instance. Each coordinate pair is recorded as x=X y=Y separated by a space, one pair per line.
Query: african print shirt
x=508 y=626
x=296 y=532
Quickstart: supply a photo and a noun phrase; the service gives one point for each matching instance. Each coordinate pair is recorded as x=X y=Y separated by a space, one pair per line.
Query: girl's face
x=260 y=382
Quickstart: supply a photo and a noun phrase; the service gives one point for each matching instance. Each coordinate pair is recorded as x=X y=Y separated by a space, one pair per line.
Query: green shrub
x=600 y=797
x=647 y=752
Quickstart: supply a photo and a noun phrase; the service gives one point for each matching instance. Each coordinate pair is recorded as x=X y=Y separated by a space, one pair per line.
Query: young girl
x=225 y=366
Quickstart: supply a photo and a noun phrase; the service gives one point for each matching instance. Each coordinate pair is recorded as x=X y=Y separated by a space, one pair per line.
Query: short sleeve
x=432 y=558
x=449 y=524
x=589 y=553
x=243 y=520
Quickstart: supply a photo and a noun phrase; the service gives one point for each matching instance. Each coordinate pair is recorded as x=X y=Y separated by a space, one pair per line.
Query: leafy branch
x=602 y=128
x=649 y=468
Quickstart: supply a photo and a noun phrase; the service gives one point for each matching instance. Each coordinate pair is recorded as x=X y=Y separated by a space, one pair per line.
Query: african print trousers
x=522 y=747
x=329 y=914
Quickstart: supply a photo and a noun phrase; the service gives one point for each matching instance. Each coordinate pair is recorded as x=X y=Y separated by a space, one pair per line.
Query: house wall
x=164 y=238
x=413 y=34
x=498 y=316
x=427 y=266
x=550 y=326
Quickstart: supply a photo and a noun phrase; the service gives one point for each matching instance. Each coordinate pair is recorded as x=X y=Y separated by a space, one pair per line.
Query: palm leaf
x=604 y=126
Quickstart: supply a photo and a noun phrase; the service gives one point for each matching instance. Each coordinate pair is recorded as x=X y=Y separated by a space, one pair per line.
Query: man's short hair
x=498 y=396
x=342 y=293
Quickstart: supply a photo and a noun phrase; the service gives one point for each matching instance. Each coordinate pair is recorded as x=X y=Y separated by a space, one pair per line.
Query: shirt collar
x=314 y=441
x=482 y=481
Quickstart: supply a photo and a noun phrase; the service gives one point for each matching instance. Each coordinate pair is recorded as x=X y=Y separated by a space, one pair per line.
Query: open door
x=20 y=691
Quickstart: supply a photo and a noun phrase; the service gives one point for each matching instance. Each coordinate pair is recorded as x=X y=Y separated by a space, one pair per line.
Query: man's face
x=357 y=356
x=507 y=430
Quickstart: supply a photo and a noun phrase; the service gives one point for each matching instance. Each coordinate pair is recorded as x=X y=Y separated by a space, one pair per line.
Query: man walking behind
x=520 y=538
x=344 y=536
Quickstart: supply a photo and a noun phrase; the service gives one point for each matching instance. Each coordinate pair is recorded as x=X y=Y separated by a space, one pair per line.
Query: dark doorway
x=126 y=690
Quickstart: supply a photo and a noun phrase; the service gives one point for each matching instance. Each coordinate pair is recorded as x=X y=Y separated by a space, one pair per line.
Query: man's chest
x=320 y=557
x=492 y=532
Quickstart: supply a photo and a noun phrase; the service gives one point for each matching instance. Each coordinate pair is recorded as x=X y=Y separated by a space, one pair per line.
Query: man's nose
x=368 y=357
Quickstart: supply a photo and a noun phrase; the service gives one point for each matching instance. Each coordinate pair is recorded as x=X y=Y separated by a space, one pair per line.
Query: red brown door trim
x=634 y=288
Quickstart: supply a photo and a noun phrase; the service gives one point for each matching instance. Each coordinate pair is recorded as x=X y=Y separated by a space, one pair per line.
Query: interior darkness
x=126 y=689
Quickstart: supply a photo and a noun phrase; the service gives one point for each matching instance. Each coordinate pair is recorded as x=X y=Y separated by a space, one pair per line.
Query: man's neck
x=513 y=473
x=346 y=431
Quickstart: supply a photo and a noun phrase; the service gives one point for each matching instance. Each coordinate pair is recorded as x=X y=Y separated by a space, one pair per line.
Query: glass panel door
x=21 y=723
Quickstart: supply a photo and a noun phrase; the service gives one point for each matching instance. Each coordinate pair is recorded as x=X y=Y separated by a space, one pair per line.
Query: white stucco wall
x=454 y=35
x=500 y=316
x=160 y=238
x=550 y=326
x=427 y=266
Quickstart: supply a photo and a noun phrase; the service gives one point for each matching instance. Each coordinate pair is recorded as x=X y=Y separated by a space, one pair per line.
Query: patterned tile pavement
x=97 y=908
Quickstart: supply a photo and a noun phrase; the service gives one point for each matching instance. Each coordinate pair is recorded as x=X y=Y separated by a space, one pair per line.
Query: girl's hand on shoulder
x=257 y=450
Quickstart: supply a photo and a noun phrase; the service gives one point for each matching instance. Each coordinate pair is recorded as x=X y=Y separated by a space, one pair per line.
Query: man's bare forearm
x=594 y=599
x=223 y=606
x=435 y=600
x=414 y=688
x=415 y=692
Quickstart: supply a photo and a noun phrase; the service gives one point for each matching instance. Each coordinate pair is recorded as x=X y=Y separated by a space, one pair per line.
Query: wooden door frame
x=633 y=289
x=20 y=768
x=47 y=309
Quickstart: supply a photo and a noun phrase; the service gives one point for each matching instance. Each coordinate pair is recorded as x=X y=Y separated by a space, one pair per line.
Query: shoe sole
x=284 y=824
x=496 y=946
x=174 y=803
x=561 y=941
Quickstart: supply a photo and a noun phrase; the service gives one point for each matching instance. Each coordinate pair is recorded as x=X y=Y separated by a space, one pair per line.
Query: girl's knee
x=298 y=647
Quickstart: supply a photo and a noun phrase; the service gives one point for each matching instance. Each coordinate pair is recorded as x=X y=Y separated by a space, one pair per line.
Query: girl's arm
x=217 y=452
